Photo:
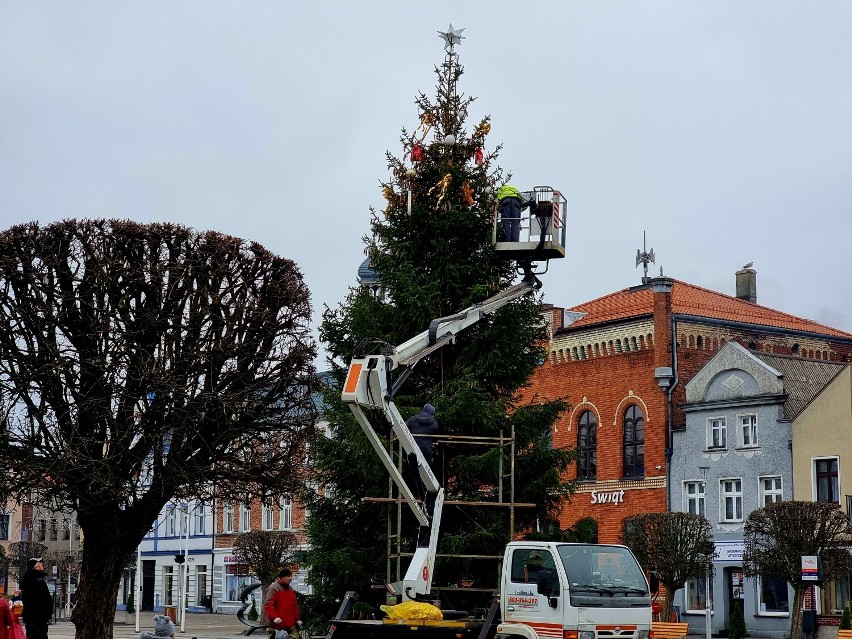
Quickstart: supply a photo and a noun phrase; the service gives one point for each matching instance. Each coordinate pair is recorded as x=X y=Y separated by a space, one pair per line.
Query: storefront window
x=834 y=595
x=695 y=594
x=237 y=578
x=773 y=596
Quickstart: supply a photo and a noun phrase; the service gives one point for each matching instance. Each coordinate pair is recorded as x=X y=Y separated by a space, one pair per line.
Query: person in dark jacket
x=38 y=603
x=423 y=423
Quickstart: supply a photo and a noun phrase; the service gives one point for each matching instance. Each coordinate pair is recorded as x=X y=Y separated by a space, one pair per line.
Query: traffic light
x=179 y=559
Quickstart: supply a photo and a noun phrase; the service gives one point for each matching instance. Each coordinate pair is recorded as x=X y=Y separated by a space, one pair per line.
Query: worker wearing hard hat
x=511 y=204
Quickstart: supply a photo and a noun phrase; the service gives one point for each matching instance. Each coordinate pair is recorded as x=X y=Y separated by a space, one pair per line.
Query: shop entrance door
x=734 y=584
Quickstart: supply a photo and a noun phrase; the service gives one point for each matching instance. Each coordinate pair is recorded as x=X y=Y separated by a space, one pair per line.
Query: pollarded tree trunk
x=668 y=601
x=796 y=612
x=105 y=555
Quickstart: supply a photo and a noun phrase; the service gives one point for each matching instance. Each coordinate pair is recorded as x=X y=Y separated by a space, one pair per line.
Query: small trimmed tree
x=678 y=546
x=265 y=552
x=736 y=622
x=846 y=618
x=778 y=535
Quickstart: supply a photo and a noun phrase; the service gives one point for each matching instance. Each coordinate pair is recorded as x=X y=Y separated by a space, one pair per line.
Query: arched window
x=634 y=442
x=587 y=442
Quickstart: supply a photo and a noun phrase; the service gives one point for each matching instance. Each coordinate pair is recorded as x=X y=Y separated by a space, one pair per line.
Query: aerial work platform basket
x=542 y=233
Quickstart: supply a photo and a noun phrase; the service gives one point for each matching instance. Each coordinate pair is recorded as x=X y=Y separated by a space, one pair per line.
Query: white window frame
x=285 y=519
x=737 y=500
x=747 y=426
x=201 y=575
x=715 y=424
x=694 y=502
x=775 y=493
x=245 y=515
x=200 y=519
x=169 y=580
x=771 y=613
x=266 y=514
x=228 y=518
x=695 y=582
x=170 y=522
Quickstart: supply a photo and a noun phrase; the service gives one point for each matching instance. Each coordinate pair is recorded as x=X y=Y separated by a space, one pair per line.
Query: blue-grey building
x=735 y=456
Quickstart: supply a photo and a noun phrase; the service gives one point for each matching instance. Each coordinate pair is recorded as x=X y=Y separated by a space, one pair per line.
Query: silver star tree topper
x=451 y=36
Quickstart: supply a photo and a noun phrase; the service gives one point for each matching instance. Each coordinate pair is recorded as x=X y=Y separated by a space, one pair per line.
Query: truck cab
x=572 y=591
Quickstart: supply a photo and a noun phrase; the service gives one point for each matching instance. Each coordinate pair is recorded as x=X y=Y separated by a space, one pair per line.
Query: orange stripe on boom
x=352 y=378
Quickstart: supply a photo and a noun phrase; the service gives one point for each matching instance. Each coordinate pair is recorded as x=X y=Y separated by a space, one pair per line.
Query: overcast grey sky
x=723 y=129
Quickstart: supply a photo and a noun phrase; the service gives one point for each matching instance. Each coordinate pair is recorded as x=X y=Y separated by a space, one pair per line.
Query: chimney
x=663 y=347
x=747 y=284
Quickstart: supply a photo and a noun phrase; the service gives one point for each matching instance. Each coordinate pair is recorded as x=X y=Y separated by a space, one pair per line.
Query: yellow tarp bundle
x=413 y=611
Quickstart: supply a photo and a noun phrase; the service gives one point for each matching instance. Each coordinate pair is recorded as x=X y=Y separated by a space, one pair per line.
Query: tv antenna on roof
x=644 y=257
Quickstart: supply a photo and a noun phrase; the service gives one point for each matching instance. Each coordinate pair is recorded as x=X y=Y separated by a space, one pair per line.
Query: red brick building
x=622 y=361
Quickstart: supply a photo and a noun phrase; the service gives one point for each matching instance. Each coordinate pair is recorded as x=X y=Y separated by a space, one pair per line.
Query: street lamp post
x=708 y=610
x=70 y=559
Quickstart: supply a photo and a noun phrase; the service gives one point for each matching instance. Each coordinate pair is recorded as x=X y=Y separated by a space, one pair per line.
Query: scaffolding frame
x=395 y=553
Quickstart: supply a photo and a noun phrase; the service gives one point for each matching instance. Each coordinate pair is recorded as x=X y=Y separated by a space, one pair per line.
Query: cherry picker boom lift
x=369 y=385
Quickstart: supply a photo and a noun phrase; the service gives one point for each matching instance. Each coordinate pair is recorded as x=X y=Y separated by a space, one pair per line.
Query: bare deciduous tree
x=142 y=363
x=265 y=552
x=678 y=546
x=20 y=553
x=778 y=535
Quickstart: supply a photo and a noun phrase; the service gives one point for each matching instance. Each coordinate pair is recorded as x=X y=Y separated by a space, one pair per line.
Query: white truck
x=577 y=591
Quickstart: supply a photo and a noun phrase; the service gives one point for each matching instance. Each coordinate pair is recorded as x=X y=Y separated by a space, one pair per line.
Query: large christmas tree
x=432 y=249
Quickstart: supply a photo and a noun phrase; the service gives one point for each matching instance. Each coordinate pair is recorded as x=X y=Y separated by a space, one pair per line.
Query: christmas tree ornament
x=478 y=156
x=411 y=171
x=443 y=184
x=467 y=195
x=482 y=129
x=416 y=153
x=451 y=37
x=449 y=139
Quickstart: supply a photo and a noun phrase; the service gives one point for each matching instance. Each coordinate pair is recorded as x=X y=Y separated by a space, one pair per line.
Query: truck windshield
x=602 y=570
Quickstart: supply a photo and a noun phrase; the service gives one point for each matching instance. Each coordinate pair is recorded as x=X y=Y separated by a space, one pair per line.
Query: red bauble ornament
x=416 y=153
x=478 y=156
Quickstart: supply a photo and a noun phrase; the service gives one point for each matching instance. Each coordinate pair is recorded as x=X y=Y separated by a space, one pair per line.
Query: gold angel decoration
x=482 y=129
x=388 y=193
x=427 y=120
x=443 y=184
x=467 y=195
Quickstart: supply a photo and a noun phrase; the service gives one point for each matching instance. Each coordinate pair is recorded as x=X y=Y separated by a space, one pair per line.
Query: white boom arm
x=368 y=387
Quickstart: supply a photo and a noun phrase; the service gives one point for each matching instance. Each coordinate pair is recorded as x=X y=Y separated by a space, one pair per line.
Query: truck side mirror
x=548 y=585
x=655 y=582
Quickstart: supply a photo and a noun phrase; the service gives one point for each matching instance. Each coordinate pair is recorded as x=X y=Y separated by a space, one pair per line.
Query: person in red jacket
x=281 y=609
x=7 y=619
